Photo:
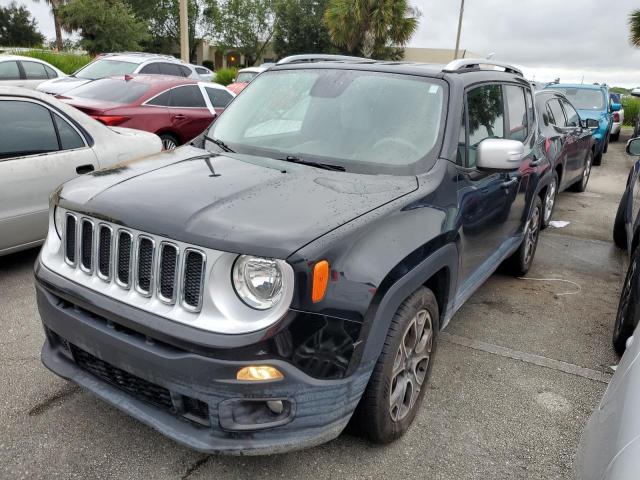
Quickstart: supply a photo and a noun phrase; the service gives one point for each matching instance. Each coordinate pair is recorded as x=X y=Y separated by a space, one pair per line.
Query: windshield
x=110 y=90
x=245 y=77
x=584 y=98
x=369 y=122
x=105 y=68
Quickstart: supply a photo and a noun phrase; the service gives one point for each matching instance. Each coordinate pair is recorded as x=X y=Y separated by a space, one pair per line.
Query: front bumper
x=190 y=397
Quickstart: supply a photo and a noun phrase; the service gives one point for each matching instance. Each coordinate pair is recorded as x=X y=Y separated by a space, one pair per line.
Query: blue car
x=592 y=101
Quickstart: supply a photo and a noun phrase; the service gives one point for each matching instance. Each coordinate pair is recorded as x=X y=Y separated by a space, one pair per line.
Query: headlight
x=58 y=220
x=257 y=281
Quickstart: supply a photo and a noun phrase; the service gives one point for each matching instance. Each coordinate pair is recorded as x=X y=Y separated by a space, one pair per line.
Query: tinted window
x=202 y=70
x=27 y=128
x=151 y=69
x=517 y=112
x=69 y=138
x=51 y=73
x=34 y=71
x=556 y=111
x=162 y=100
x=186 y=71
x=9 y=71
x=187 y=96
x=485 y=110
x=573 y=119
x=170 y=69
x=219 y=98
x=111 y=90
x=105 y=68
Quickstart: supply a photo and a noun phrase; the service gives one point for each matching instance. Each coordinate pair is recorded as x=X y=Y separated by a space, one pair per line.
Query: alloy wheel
x=586 y=172
x=531 y=235
x=410 y=365
x=168 y=144
x=550 y=200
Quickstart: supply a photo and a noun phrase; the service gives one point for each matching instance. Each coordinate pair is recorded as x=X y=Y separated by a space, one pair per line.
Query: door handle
x=82 y=169
x=179 y=116
x=509 y=183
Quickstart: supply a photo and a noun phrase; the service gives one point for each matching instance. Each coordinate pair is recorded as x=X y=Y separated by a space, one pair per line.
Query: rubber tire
x=516 y=264
x=544 y=224
x=619 y=230
x=168 y=136
x=627 y=316
x=597 y=160
x=372 y=418
x=606 y=145
x=614 y=137
x=579 y=186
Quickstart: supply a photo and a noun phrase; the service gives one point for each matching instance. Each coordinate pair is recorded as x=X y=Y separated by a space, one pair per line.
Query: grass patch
x=67 y=62
x=631 y=107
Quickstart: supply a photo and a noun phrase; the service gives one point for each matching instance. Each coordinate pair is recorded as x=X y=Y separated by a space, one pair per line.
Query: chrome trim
x=108 y=277
x=126 y=286
x=176 y=272
x=141 y=291
x=183 y=276
x=73 y=264
x=86 y=270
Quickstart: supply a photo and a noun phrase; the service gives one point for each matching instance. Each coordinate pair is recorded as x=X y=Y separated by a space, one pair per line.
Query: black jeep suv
x=290 y=270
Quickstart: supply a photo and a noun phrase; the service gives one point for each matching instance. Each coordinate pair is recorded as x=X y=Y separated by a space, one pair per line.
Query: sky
x=569 y=39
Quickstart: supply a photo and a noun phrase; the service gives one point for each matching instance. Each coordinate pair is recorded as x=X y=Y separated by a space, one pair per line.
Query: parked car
x=592 y=101
x=111 y=64
x=617 y=117
x=245 y=76
x=250 y=292
x=569 y=146
x=26 y=72
x=175 y=109
x=204 y=74
x=43 y=143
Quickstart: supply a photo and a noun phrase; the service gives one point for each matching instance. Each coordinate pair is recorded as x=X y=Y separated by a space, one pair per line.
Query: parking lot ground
x=519 y=369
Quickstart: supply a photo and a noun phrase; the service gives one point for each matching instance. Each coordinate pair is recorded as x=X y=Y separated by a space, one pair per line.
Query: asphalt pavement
x=519 y=369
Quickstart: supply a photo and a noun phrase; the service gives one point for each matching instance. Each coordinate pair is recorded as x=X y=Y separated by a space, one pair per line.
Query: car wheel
x=520 y=262
x=619 y=224
x=169 y=142
x=606 y=144
x=399 y=380
x=615 y=137
x=581 y=185
x=549 y=201
x=627 y=316
x=597 y=160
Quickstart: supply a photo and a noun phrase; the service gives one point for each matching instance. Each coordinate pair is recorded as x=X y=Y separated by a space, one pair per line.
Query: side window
x=69 y=138
x=573 y=119
x=485 y=111
x=27 y=129
x=9 y=71
x=150 y=69
x=51 y=73
x=219 y=98
x=531 y=119
x=558 y=115
x=169 y=69
x=550 y=117
x=186 y=71
x=201 y=70
x=517 y=113
x=462 y=141
x=34 y=70
x=188 y=96
x=161 y=100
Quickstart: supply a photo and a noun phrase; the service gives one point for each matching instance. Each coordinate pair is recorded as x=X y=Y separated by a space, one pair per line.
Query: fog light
x=259 y=373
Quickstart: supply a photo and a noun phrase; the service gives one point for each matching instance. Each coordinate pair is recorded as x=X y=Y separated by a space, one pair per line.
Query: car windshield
x=584 y=98
x=110 y=90
x=369 y=122
x=245 y=77
x=105 y=68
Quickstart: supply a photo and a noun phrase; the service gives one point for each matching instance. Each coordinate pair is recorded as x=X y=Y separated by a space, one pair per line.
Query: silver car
x=43 y=143
x=26 y=72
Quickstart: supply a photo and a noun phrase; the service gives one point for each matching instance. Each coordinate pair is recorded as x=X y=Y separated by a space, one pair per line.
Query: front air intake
x=194 y=263
x=144 y=265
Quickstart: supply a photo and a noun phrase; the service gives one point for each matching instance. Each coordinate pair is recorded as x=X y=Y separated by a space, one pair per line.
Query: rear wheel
x=606 y=145
x=520 y=262
x=169 y=142
x=615 y=137
x=399 y=379
x=581 y=185
x=627 y=316
x=549 y=201
x=619 y=224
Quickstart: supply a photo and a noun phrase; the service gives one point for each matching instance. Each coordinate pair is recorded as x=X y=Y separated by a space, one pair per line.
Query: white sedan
x=43 y=143
x=26 y=72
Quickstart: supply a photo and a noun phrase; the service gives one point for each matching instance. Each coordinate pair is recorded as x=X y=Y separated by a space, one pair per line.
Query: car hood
x=61 y=85
x=234 y=203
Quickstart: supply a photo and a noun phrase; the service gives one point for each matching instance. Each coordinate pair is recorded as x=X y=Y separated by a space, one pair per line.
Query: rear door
x=10 y=74
x=189 y=112
x=39 y=150
x=217 y=98
x=34 y=72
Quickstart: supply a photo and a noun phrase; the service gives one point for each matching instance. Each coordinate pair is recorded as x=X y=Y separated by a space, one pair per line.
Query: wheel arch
x=173 y=133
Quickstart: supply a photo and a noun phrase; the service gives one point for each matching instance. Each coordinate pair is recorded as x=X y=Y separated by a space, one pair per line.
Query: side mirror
x=616 y=107
x=589 y=123
x=499 y=154
x=633 y=146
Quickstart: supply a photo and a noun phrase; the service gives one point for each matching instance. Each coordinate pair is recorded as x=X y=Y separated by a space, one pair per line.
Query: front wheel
x=606 y=145
x=399 y=379
x=520 y=262
x=619 y=224
x=628 y=312
x=581 y=185
x=169 y=142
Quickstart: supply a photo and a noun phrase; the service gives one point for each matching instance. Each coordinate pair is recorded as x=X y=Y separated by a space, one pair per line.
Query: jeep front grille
x=137 y=260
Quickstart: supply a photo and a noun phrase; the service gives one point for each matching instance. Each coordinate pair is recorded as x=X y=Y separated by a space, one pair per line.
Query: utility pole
x=184 y=31
x=459 y=29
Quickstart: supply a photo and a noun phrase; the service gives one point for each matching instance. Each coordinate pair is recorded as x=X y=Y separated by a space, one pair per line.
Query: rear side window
x=188 y=96
x=219 y=98
x=517 y=113
x=34 y=71
x=558 y=116
x=170 y=69
x=573 y=119
x=202 y=70
x=69 y=138
x=111 y=90
x=27 y=129
x=151 y=69
x=51 y=73
x=186 y=71
x=9 y=71
x=485 y=117
x=161 y=100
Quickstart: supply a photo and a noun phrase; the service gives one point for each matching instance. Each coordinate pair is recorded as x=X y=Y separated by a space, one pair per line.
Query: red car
x=176 y=109
x=245 y=76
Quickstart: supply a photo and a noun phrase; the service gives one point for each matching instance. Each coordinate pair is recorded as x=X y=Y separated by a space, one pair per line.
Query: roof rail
x=473 y=64
x=320 y=57
x=142 y=54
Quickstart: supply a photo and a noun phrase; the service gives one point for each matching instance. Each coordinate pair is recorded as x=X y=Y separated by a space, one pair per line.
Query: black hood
x=237 y=204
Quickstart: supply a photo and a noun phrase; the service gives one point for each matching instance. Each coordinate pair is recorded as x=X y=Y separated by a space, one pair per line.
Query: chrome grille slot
x=86 y=245
x=125 y=246
x=105 y=237
x=144 y=265
x=70 y=239
x=194 y=267
x=168 y=272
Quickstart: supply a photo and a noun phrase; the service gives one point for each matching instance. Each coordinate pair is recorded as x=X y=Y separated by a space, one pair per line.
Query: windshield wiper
x=325 y=166
x=219 y=143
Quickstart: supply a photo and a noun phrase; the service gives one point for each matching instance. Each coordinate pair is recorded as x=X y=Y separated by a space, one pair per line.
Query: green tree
x=371 y=28
x=55 y=9
x=243 y=25
x=18 y=28
x=104 y=25
x=634 y=28
x=300 y=27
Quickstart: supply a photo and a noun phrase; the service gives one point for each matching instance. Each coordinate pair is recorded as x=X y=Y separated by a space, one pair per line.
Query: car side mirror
x=499 y=154
x=590 y=123
x=616 y=107
x=633 y=146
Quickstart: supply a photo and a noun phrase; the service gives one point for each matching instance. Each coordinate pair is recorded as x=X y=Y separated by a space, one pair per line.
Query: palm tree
x=371 y=28
x=634 y=28
x=55 y=4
